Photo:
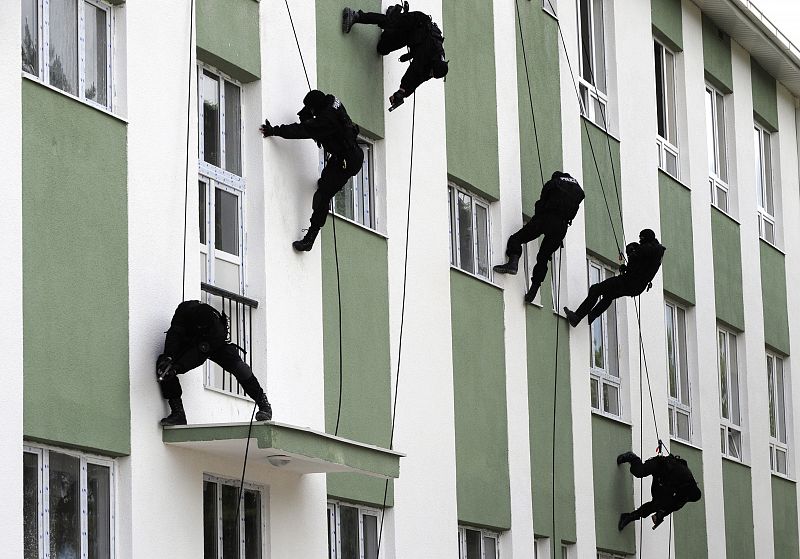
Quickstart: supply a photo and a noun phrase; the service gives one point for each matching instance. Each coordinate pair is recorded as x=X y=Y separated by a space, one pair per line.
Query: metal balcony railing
x=239 y=310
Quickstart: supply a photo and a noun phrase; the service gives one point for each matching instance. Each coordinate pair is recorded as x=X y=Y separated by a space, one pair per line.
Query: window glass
x=672 y=362
x=226 y=222
x=610 y=399
x=98 y=498
x=586 y=39
x=481 y=226
x=660 y=99
x=30 y=37
x=599 y=47
x=465 y=238
x=489 y=548
x=611 y=336
x=682 y=425
x=230 y=523
x=734 y=386
x=781 y=401
x=723 y=375
x=65 y=509
x=682 y=359
x=768 y=193
x=202 y=206
x=370 y=523
x=710 y=142
x=233 y=129
x=252 y=524
x=64 y=45
x=348 y=529
x=211 y=135
x=773 y=428
x=669 y=89
x=30 y=508
x=209 y=520
x=96 y=54
x=473 y=544
x=720 y=131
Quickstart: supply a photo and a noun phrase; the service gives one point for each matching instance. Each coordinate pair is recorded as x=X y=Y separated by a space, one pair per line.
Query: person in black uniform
x=199 y=332
x=644 y=260
x=673 y=486
x=324 y=119
x=553 y=213
x=401 y=28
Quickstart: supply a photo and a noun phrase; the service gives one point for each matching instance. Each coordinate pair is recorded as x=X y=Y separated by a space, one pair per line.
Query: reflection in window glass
x=465 y=238
x=230 y=523
x=30 y=37
x=211 y=117
x=473 y=544
x=482 y=224
x=202 y=202
x=30 y=509
x=348 y=529
x=233 y=129
x=96 y=54
x=98 y=498
x=65 y=509
x=209 y=520
x=370 y=536
x=252 y=524
x=226 y=222
x=64 y=45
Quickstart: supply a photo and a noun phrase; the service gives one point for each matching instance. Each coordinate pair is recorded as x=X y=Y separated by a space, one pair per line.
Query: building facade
x=420 y=406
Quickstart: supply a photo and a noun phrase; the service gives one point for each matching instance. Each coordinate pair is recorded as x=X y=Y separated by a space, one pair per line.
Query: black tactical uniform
x=673 y=486
x=325 y=120
x=554 y=211
x=401 y=28
x=644 y=260
x=199 y=332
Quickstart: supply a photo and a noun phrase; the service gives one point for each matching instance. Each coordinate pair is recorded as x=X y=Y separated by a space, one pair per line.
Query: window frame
x=334 y=526
x=235 y=483
x=462 y=541
x=551 y=7
x=43 y=491
x=765 y=185
x=368 y=180
x=717 y=182
x=731 y=428
x=603 y=376
x=590 y=93
x=529 y=252
x=453 y=191
x=666 y=146
x=778 y=407
x=675 y=403
x=43 y=38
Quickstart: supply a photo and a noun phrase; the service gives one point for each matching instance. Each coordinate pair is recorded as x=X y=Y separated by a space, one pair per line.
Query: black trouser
x=554 y=231
x=227 y=357
x=663 y=497
x=606 y=291
x=392 y=38
x=335 y=174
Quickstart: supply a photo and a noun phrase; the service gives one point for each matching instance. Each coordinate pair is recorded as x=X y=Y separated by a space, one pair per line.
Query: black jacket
x=425 y=43
x=644 y=260
x=675 y=481
x=192 y=324
x=331 y=128
x=561 y=198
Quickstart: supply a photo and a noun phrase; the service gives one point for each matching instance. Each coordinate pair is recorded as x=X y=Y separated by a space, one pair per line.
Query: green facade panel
x=765 y=95
x=540 y=32
x=349 y=66
x=738 y=500
x=717 y=55
x=470 y=95
x=727 y=269
x=601 y=192
x=366 y=380
x=228 y=38
x=668 y=22
x=773 y=298
x=541 y=326
x=784 y=518
x=482 y=477
x=675 y=206
x=690 y=522
x=75 y=273
x=613 y=485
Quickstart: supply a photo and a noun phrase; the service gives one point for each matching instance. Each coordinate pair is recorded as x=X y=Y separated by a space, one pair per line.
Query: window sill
x=552 y=14
x=226 y=393
x=735 y=461
x=614 y=418
x=771 y=245
x=36 y=80
x=782 y=476
x=676 y=179
x=475 y=277
x=685 y=443
x=601 y=129
x=359 y=225
x=726 y=214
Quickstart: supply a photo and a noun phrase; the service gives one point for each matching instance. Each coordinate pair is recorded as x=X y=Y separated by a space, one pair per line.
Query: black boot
x=264 y=412
x=624 y=519
x=509 y=267
x=306 y=243
x=531 y=294
x=176 y=415
x=349 y=17
x=626 y=457
x=573 y=318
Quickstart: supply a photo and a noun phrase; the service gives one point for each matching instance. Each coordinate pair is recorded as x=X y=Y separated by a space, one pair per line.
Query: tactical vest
x=567 y=198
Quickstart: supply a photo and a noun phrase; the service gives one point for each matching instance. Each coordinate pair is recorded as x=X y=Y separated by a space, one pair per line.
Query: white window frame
x=668 y=147
x=719 y=182
x=43 y=35
x=235 y=483
x=765 y=185
x=607 y=555
x=678 y=353
x=731 y=429
x=43 y=457
x=334 y=527
x=365 y=194
x=455 y=247
x=603 y=376
x=551 y=7
x=779 y=401
x=462 y=541
x=591 y=95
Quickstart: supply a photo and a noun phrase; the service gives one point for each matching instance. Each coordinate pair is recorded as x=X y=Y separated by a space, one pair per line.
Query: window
x=666 y=110
x=717 y=148
x=730 y=411
x=68 y=504
x=221 y=188
x=529 y=253
x=474 y=543
x=604 y=358
x=469 y=232
x=226 y=536
x=679 y=402
x=352 y=531
x=593 y=81
x=778 y=440
x=67 y=44
x=356 y=201
x=764 y=185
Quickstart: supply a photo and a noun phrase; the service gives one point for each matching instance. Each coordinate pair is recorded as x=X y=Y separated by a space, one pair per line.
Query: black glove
x=267 y=129
x=658 y=518
x=406 y=57
x=397 y=98
x=305 y=114
x=165 y=368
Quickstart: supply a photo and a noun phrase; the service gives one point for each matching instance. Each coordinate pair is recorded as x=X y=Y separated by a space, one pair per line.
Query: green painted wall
x=75 y=266
x=349 y=66
x=765 y=95
x=738 y=494
x=689 y=523
x=717 y=56
x=470 y=95
x=675 y=206
x=482 y=479
x=366 y=391
x=668 y=22
x=227 y=37
x=727 y=269
x=784 y=518
x=541 y=331
x=541 y=46
x=599 y=233
x=773 y=297
x=613 y=485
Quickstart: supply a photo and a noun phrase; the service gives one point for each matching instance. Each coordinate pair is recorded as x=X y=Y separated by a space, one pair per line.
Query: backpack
x=566 y=201
x=210 y=324
x=351 y=130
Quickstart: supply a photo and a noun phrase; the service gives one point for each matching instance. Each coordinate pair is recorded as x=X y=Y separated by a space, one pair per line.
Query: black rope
x=646 y=372
x=402 y=316
x=530 y=95
x=557 y=298
x=244 y=465
x=188 y=123
x=296 y=40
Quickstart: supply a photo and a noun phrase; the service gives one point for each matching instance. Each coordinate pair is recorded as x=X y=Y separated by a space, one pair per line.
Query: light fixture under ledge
x=279 y=460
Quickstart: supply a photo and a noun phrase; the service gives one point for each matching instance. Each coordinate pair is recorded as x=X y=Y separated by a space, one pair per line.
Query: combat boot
x=626 y=457
x=264 y=412
x=531 y=294
x=306 y=243
x=624 y=519
x=176 y=415
x=509 y=267
x=349 y=18
x=572 y=318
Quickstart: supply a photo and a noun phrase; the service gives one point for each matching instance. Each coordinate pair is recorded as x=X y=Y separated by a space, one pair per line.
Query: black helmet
x=439 y=68
x=315 y=99
x=647 y=235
